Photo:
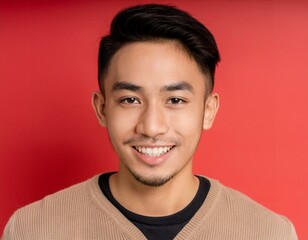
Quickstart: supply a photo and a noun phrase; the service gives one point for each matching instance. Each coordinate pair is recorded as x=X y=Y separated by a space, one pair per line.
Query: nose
x=152 y=122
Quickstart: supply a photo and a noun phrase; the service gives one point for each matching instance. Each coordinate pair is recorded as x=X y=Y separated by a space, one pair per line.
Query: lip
x=153 y=160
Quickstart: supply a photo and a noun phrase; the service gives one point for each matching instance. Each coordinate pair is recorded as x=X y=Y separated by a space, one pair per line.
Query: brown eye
x=130 y=100
x=176 y=101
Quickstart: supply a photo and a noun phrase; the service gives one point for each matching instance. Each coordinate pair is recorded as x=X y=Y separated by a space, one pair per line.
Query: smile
x=153 y=151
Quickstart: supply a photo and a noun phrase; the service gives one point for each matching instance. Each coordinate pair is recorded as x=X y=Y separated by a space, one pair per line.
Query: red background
x=49 y=136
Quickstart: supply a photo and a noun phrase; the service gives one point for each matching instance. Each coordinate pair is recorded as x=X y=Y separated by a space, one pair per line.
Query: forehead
x=154 y=64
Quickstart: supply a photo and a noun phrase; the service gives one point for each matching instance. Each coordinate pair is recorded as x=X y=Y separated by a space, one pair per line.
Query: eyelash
x=178 y=100
x=134 y=100
x=127 y=99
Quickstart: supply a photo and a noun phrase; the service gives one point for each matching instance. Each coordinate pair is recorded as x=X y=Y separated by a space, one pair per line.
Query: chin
x=152 y=181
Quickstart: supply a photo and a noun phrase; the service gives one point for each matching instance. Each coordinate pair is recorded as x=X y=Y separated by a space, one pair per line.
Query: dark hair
x=150 y=22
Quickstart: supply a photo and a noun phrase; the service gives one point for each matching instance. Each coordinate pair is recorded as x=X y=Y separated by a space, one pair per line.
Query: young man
x=156 y=76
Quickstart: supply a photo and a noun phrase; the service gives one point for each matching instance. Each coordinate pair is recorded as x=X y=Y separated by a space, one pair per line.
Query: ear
x=210 y=110
x=98 y=103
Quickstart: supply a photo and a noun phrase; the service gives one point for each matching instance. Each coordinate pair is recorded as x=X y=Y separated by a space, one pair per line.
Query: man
x=156 y=78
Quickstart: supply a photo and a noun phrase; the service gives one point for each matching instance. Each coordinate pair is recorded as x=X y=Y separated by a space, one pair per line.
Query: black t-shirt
x=162 y=228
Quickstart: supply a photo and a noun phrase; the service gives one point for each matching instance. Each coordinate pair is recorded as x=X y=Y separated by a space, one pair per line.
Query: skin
x=154 y=98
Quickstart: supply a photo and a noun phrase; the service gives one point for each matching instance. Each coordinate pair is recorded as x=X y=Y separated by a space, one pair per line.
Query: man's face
x=154 y=109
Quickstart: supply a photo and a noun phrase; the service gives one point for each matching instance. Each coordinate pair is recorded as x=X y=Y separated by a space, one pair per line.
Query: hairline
x=178 y=45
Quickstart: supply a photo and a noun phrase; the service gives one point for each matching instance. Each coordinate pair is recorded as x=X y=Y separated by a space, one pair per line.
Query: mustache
x=151 y=140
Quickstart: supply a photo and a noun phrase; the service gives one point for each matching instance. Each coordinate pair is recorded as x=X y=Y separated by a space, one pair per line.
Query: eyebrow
x=125 y=86
x=180 y=86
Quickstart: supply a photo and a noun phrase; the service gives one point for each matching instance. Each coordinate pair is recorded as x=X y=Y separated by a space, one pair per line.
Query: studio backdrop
x=49 y=135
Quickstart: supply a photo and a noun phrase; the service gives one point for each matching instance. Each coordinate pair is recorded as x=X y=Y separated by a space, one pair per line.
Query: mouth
x=153 y=151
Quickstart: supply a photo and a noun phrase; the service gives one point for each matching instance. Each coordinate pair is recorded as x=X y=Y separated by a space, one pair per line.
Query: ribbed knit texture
x=83 y=212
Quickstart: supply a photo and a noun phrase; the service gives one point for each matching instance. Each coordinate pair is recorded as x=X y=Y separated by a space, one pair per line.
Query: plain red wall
x=49 y=136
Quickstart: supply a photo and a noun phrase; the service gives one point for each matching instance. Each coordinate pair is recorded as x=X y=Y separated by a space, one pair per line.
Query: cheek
x=120 y=123
x=189 y=126
x=188 y=121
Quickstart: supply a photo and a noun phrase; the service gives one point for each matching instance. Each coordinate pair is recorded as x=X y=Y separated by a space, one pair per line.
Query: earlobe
x=98 y=104
x=210 y=110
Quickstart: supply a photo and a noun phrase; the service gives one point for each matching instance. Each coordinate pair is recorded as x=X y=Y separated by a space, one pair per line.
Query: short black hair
x=150 y=22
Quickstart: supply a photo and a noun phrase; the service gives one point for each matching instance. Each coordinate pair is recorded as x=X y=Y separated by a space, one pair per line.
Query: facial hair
x=152 y=181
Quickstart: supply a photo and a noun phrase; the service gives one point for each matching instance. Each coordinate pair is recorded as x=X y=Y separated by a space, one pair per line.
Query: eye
x=130 y=100
x=176 y=101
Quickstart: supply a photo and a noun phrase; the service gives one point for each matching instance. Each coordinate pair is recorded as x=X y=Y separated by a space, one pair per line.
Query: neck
x=165 y=200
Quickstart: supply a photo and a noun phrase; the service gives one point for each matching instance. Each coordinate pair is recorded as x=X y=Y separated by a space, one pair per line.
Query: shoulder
x=53 y=209
x=65 y=198
x=238 y=211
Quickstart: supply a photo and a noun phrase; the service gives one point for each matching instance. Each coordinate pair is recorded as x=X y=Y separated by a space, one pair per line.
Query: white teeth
x=154 y=151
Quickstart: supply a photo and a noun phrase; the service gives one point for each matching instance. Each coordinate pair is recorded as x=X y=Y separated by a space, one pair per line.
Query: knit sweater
x=83 y=212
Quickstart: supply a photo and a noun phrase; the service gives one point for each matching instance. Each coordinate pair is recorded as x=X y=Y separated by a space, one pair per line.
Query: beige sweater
x=82 y=212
